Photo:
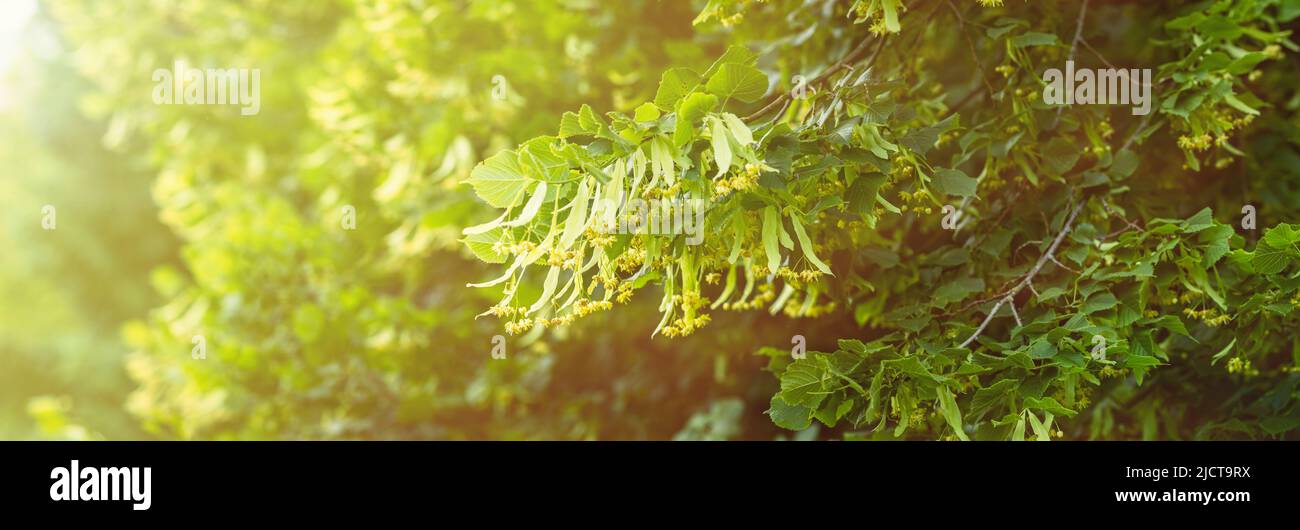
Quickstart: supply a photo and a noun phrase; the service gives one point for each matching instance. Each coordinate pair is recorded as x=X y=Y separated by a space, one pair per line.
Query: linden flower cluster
x=798 y=277
x=1108 y=372
x=1197 y=143
x=519 y=326
x=514 y=249
x=990 y=3
x=917 y=199
x=630 y=260
x=598 y=238
x=684 y=326
x=1210 y=316
x=1205 y=141
x=1237 y=365
x=743 y=181
x=659 y=193
x=568 y=259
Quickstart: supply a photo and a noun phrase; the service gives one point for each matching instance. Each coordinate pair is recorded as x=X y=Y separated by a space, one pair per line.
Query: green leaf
x=674 y=84
x=499 y=180
x=1275 y=250
x=1034 y=39
x=1060 y=155
x=1202 y=220
x=803 y=383
x=1126 y=161
x=1224 y=352
x=482 y=243
x=721 y=148
x=695 y=107
x=647 y=112
x=1098 y=302
x=807 y=246
x=954 y=182
x=1048 y=404
x=738 y=81
x=588 y=119
x=734 y=55
x=771 y=225
x=738 y=129
x=957 y=290
x=787 y=416
x=1219 y=27
x=571 y=125
x=1041 y=428
x=951 y=413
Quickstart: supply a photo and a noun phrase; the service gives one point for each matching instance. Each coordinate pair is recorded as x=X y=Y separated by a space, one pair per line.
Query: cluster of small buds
x=1197 y=143
x=1273 y=51
x=630 y=260
x=900 y=172
x=659 y=193
x=599 y=239
x=713 y=278
x=878 y=27
x=562 y=320
x=1210 y=316
x=1105 y=129
x=584 y=307
x=683 y=327
x=1082 y=396
x=689 y=302
x=514 y=249
x=1237 y=365
x=919 y=196
x=742 y=181
x=993 y=182
x=799 y=277
x=624 y=293
x=855 y=225
x=505 y=311
x=568 y=259
x=732 y=20
x=519 y=326
x=1108 y=372
x=990 y=3
x=920 y=415
x=766 y=294
x=1006 y=70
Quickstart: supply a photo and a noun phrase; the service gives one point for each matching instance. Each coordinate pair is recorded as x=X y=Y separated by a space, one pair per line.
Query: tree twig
x=839 y=65
x=1029 y=276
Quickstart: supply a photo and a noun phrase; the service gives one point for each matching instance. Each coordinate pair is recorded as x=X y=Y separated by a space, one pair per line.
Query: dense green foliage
x=1115 y=300
x=1099 y=282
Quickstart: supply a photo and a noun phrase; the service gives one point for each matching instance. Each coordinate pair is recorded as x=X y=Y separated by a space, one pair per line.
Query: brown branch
x=1029 y=276
x=979 y=65
x=839 y=65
